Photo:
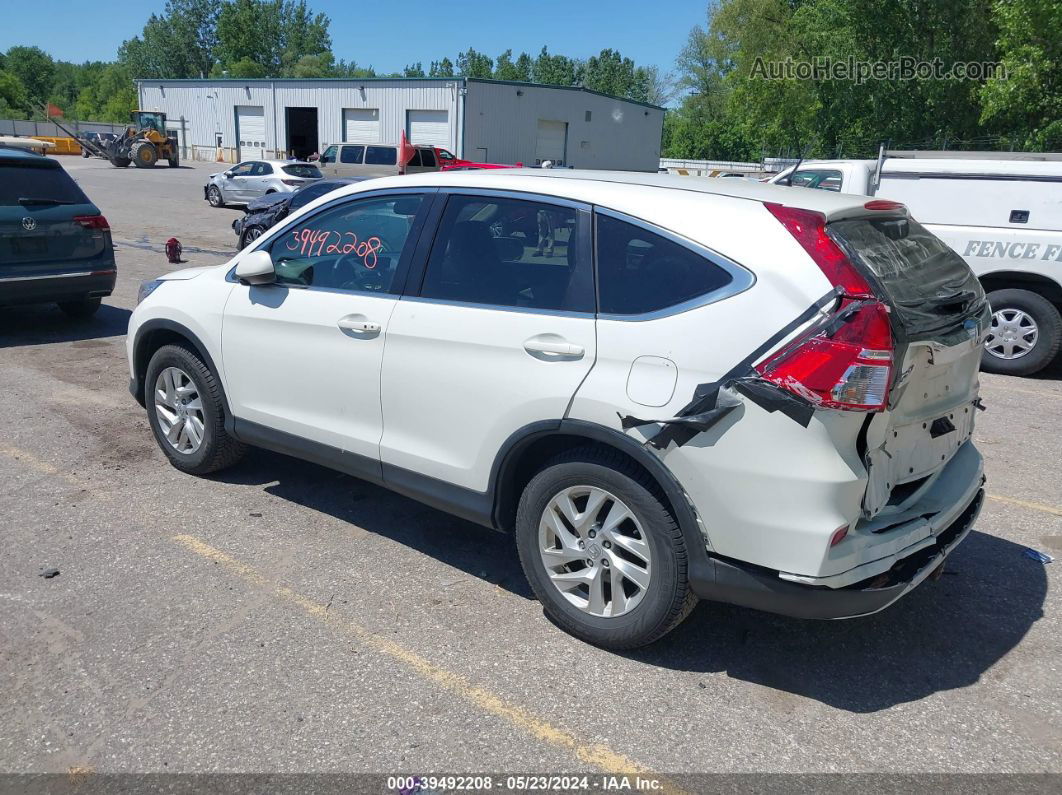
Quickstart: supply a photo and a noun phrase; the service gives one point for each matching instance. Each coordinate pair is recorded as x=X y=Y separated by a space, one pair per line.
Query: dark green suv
x=54 y=243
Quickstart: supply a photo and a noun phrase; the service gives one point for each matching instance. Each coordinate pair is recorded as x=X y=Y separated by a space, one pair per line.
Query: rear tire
x=216 y=449
x=659 y=606
x=1021 y=317
x=82 y=309
x=174 y=162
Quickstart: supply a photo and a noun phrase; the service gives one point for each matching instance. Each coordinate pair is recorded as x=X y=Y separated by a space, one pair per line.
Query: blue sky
x=388 y=35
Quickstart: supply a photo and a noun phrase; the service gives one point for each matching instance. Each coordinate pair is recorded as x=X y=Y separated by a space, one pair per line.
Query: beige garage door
x=361 y=125
x=552 y=141
x=429 y=127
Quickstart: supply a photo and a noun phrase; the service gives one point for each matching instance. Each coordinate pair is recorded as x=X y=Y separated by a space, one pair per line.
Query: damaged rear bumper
x=752 y=586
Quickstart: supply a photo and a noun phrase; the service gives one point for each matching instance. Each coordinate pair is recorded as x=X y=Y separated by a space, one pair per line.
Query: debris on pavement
x=49 y=573
x=1036 y=554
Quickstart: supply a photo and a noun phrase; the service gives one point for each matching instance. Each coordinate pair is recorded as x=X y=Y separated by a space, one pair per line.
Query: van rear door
x=939 y=317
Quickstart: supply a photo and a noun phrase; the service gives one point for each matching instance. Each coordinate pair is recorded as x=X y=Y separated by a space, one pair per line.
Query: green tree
x=443 y=68
x=178 y=44
x=34 y=69
x=557 y=70
x=474 y=64
x=610 y=73
x=413 y=70
x=1026 y=101
x=14 y=102
x=505 y=68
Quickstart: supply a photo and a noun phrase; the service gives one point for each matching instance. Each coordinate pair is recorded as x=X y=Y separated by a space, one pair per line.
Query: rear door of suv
x=494 y=334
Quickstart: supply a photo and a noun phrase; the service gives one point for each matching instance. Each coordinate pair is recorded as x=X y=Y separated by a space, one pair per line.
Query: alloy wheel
x=595 y=551
x=179 y=410
x=1013 y=334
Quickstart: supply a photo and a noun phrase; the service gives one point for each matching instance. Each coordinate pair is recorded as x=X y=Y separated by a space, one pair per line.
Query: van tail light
x=92 y=221
x=847 y=366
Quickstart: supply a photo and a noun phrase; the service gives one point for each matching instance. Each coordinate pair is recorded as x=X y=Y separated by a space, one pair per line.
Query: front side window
x=352 y=154
x=415 y=159
x=640 y=271
x=329 y=155
x=427 y=158
x=356 y=246
x=380 y=156
x=243 y=169
x=509 y=253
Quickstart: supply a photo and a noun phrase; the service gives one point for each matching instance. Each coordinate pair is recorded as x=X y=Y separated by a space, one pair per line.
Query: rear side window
x=352 y=154
x=415 y=160
x=509 y=253
x=640 y=271
x=304 y=171
x=380 y=156
x=34 y=182
x=924 y=279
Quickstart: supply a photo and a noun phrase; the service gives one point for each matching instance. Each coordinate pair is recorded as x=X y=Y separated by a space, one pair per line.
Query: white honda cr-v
x=667 y=388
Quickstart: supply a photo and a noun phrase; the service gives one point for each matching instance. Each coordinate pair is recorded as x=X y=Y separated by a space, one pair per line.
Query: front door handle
x=552 y=346
x=359 y=324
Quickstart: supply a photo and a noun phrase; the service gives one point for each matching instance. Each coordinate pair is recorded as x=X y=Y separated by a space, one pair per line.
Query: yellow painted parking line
x=600 y=756
x=1032 y=506
x=40 y=465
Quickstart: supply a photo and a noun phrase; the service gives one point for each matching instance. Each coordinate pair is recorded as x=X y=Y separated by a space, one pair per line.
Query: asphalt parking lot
x=281 y=617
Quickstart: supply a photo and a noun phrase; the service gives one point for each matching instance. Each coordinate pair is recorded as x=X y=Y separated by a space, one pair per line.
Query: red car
x=450 y=162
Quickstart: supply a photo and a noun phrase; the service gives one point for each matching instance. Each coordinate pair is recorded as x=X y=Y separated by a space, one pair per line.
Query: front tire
x=602 y=552
x=144 y=154
x=214 y=196
x=250 y=235
x=186 y=412
x=1025 y=335
x=81 y=309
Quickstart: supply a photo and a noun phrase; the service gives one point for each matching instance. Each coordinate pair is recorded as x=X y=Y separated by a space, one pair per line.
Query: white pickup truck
x=1004 y=217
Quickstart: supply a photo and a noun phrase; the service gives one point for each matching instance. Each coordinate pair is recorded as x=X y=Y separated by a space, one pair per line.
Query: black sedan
x=262 y=213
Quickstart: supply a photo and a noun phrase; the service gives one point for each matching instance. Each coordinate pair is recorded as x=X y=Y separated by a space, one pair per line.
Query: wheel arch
x=1023 y=280
x=528 y=449
x=156 y=333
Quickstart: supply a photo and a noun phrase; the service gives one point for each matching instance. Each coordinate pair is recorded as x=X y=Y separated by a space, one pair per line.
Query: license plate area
x=29 y=245
x=912 y=453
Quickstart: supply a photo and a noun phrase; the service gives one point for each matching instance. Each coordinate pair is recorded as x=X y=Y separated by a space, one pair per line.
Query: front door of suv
x=499 y=335
x=302 y=355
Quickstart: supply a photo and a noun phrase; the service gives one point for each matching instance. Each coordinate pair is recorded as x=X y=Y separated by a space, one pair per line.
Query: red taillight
x=292 y=182
x=838 y=535
x=92 y=221
x=850 y=368
x=809 y=229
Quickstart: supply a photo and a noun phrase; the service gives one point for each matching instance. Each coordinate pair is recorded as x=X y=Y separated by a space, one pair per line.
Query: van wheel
x=602 y=553
x=1025 y=335
x=186 y=412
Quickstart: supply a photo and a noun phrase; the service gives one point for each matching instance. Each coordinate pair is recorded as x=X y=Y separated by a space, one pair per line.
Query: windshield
x=303 y=170
x=37 y=182
x=927 y=283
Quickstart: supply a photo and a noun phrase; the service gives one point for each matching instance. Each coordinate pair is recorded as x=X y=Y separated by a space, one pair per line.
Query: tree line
x=723 y=103
x=730 y=110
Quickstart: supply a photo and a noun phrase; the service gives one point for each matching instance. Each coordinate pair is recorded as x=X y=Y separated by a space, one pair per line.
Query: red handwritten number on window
x=315 y=242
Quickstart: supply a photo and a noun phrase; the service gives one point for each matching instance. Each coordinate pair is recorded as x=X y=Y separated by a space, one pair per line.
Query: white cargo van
x=1004 y=217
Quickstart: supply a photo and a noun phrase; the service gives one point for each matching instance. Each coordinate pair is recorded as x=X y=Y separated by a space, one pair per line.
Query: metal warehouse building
x=483 y=120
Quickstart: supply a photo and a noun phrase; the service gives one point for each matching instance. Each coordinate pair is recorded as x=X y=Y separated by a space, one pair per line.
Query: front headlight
x=147 y=288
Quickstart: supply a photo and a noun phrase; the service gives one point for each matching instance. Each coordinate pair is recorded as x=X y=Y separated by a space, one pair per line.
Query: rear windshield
x=36 y=182
x=304 y=171
x=926 y=281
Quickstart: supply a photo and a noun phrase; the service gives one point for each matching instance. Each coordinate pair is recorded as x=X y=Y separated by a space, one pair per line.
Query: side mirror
x=228 y=174
x=256 y=267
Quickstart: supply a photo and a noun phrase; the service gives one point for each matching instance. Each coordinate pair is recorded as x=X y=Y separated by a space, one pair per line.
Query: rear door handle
x=359 y=323
x=553 y=346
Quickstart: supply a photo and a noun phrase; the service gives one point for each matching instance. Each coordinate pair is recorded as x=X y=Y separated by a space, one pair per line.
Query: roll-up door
x=429 y=127
x=361 y=125
x=250 y=132
x=551 y=142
